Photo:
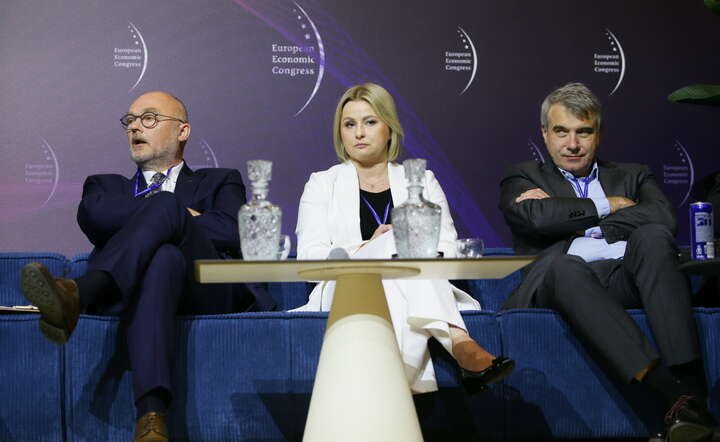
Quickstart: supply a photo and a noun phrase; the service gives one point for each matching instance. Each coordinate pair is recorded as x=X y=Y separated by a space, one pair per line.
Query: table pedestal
x=361 y=392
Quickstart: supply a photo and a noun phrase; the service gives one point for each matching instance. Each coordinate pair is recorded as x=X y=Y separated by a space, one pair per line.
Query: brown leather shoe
x=57 y=299
x=151 y=427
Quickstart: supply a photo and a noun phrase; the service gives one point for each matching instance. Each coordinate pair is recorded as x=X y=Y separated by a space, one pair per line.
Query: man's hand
x=532 y=194
x=193 y=212
x=619 y=202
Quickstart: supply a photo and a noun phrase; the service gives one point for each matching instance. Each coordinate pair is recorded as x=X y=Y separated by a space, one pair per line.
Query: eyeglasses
x=147 y=119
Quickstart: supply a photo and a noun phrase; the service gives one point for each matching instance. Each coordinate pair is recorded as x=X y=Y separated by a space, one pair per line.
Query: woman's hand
x=382 y=228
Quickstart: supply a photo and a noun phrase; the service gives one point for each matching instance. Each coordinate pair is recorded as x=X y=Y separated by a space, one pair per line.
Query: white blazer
x=329 y=217
x=329 y=214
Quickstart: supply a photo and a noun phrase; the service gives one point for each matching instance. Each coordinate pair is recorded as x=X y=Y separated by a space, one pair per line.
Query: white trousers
x=418 y=308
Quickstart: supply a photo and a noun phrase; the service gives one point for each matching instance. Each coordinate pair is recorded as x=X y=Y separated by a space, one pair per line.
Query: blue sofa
x=249 y=376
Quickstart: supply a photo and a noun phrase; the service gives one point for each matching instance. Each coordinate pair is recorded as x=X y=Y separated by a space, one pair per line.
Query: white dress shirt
x=172 y=176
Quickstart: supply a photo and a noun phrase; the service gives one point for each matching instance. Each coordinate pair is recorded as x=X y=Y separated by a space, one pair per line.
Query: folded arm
x=530 y=210
x=220 y=221
x=652 y=208
x=103 y=209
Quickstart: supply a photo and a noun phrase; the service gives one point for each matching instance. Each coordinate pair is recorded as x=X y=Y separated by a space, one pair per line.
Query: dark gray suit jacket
x=547 y=226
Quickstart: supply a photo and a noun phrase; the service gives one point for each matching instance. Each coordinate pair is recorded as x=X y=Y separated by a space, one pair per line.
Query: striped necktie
x=156 y=180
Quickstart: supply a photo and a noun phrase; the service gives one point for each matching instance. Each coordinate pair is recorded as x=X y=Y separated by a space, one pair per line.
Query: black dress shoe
x=57 y=299
x=689 y=421
x=477 y=381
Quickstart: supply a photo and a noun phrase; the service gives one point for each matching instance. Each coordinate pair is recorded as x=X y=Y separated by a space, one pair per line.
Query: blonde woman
x=349 y=206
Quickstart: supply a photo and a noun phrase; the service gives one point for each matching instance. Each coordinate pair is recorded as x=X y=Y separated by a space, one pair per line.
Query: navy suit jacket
x=547 y=226
x=217 y=193
x=108 y=201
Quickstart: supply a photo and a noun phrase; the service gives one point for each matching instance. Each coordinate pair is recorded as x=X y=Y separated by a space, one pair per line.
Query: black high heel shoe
x=477 y=381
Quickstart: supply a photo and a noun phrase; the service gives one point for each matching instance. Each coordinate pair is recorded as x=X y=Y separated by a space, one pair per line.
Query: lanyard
x=375 y=214
x=151 y=187
x=583 y=192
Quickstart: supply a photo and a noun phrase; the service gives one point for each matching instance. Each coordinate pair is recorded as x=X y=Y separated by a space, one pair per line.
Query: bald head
x=162 y=103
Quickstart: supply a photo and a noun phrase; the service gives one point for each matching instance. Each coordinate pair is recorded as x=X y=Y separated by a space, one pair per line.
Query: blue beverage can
x=702 y=242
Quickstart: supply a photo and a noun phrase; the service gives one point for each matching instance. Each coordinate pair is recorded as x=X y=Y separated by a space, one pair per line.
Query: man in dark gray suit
x=603 y=233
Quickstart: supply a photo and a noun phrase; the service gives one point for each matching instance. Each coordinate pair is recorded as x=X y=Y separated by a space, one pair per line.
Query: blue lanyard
x=150 y=188
x=374 y=213
x=583 y=193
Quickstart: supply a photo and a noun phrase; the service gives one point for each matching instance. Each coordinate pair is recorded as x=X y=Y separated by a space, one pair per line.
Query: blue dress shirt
x=592 y=246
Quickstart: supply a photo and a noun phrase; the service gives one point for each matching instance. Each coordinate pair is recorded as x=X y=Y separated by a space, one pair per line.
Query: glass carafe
x=259 y=220
x=416 y=222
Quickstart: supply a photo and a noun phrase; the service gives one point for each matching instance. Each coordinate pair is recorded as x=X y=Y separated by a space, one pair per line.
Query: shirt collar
x=591 y=177
x=172 y=176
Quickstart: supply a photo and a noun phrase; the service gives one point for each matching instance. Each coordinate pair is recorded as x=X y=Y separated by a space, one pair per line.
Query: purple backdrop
x=261 y=79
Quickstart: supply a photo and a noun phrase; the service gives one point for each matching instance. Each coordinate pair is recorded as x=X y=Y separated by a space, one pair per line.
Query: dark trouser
x=151 y=260
x=592 y=297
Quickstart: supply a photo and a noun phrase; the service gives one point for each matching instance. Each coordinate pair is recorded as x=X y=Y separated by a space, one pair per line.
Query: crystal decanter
x=259 y=220
x=416 y=222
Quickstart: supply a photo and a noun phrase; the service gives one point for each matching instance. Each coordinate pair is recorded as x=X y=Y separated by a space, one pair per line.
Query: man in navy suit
x=147 y=231
x=603 y=233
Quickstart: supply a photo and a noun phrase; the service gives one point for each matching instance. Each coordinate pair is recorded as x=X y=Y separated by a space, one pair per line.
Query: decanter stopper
x=259 y=174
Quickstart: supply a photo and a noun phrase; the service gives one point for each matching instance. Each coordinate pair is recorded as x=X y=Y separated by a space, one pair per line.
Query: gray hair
x=577 y=98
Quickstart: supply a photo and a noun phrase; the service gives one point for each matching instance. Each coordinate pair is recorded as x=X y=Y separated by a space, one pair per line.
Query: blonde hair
x=384 y=106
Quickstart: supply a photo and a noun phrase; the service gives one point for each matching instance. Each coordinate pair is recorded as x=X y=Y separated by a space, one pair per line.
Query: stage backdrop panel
x=261 y=79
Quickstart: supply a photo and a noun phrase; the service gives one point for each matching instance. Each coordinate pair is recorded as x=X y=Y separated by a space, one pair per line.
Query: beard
x=155 y=156
x=142 y=157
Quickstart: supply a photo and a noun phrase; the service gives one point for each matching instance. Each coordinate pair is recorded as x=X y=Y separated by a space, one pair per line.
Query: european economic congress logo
x=303 y=59
x=535 y=151
x=42 y=173
x=462 y=59
x=609 y=60
x=199 y=154
x=678 y=173
x=132 y=55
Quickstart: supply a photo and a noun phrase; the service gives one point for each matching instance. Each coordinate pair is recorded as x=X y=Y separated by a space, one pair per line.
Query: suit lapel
x=347 y=198
x=559 y=186
x=611 y=179
x=138 y=179
x=398 y=185
x=187 y=184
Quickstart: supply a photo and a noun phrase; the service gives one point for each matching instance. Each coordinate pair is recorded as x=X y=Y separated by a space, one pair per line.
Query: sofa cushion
x=11 y=265
x=30 y=385
x=77 y=265
x=708 y=322
x=492 y=293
